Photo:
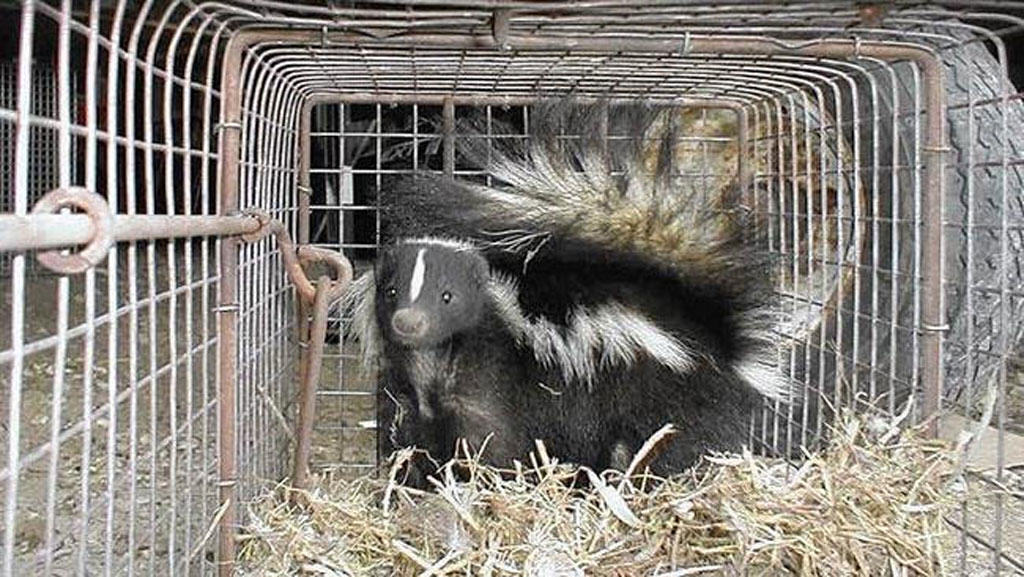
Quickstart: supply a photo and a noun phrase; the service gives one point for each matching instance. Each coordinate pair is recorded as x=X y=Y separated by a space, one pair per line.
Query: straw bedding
x=871 y=502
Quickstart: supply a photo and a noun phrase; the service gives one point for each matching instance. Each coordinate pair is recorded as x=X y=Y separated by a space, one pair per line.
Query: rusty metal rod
x=45 y=228
x=312 y=359
x=51 y=231
x=227 y=296
x=295 y=256
x=304 y=189
x=305 y=193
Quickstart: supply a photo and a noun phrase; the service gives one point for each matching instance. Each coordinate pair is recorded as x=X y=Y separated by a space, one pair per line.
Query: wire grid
x=836 y=150
x=108 y=378
x=266 y=351
x=355 y=152
x=43 y=141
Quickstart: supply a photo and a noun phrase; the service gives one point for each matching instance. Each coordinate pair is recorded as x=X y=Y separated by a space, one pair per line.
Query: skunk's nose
x=409 y=323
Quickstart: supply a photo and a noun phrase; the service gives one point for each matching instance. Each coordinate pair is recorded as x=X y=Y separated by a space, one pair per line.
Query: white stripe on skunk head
x=601 y=337
x=418 y=274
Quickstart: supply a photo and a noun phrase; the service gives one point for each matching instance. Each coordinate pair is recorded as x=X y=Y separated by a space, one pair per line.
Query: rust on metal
x=100 y=229
x=304 y=147
x=227 y=343
x=305 y=192
x=872 y=13
x=294 y=257
x=312 y=360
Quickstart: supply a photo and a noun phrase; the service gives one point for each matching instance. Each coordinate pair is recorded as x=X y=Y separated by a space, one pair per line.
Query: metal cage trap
x=158 y=157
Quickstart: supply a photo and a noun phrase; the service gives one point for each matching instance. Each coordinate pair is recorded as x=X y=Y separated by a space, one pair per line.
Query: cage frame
x=249 y=44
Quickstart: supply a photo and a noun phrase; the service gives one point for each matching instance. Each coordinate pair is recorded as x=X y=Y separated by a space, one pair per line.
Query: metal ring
x=94 y=206
x=341 y=265
x=264 y=219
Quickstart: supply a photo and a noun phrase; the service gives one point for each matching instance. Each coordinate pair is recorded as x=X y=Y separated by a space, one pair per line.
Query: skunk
x=586 y=299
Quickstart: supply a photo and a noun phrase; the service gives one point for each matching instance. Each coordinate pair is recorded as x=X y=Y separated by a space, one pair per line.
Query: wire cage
x=147 y=371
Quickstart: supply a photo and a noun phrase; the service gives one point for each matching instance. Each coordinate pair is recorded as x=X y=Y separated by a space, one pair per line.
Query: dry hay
x=870 y=503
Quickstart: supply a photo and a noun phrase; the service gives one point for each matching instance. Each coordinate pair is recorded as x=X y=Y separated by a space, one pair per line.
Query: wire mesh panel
x=42 y=152
x=109 y=377
x=148 y=397
x=266 y=313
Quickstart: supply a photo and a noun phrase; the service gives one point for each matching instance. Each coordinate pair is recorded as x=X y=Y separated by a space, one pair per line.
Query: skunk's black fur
x=602 y=302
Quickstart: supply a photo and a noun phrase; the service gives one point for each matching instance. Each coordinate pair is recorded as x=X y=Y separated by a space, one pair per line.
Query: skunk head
x=429 y=290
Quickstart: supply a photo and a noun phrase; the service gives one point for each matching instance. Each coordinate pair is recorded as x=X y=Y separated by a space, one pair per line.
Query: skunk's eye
x=446 y=297
x=391 y=292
